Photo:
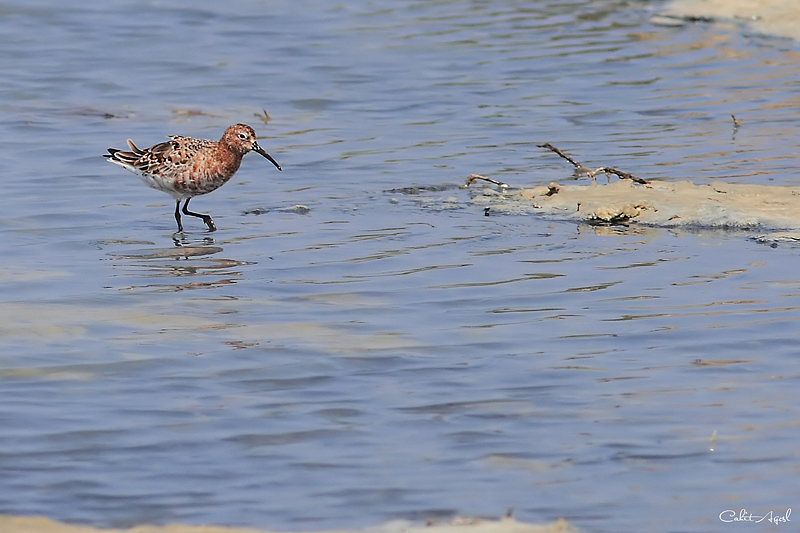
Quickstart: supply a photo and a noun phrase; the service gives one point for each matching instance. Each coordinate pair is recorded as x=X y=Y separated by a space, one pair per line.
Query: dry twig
x=593 y=173
x=621 y=174
x=577 y=165
x=473 y=177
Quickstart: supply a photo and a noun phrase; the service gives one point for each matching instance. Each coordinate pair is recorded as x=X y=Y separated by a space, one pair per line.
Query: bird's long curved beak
x=257 y=148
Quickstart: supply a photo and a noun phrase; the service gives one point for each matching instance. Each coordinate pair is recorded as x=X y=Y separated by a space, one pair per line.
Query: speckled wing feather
x=169 y=157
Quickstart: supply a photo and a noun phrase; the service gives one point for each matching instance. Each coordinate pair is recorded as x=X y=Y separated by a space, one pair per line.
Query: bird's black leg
x=206 y=218
x=178 y=215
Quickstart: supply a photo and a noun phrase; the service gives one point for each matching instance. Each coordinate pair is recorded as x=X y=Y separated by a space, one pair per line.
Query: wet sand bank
x=780 y=18
x=37 y=524
x=664 y=204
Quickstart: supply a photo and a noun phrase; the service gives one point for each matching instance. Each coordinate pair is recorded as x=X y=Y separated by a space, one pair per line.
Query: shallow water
x=393 y=353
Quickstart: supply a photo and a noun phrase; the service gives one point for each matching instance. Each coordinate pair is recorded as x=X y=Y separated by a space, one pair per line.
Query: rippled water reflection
x=391 y=352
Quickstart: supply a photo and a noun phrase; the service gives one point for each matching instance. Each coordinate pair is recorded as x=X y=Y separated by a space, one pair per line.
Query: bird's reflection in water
x=187 y=259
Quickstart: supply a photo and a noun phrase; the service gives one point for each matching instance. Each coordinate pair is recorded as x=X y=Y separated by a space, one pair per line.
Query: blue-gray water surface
x=391 y=352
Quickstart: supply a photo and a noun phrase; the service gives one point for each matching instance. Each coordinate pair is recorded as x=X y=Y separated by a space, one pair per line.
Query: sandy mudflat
x=771 y=17
x=36 y=524
x=663 y=204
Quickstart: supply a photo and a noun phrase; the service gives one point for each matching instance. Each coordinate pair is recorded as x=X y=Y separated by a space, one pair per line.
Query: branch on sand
x=593 y=173
x=473 y=177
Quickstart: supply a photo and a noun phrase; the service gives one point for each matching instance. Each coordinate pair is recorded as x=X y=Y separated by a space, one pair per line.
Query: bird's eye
x=243 y=136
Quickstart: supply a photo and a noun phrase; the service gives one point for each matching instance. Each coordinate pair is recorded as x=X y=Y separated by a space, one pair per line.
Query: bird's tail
x=120 y=156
